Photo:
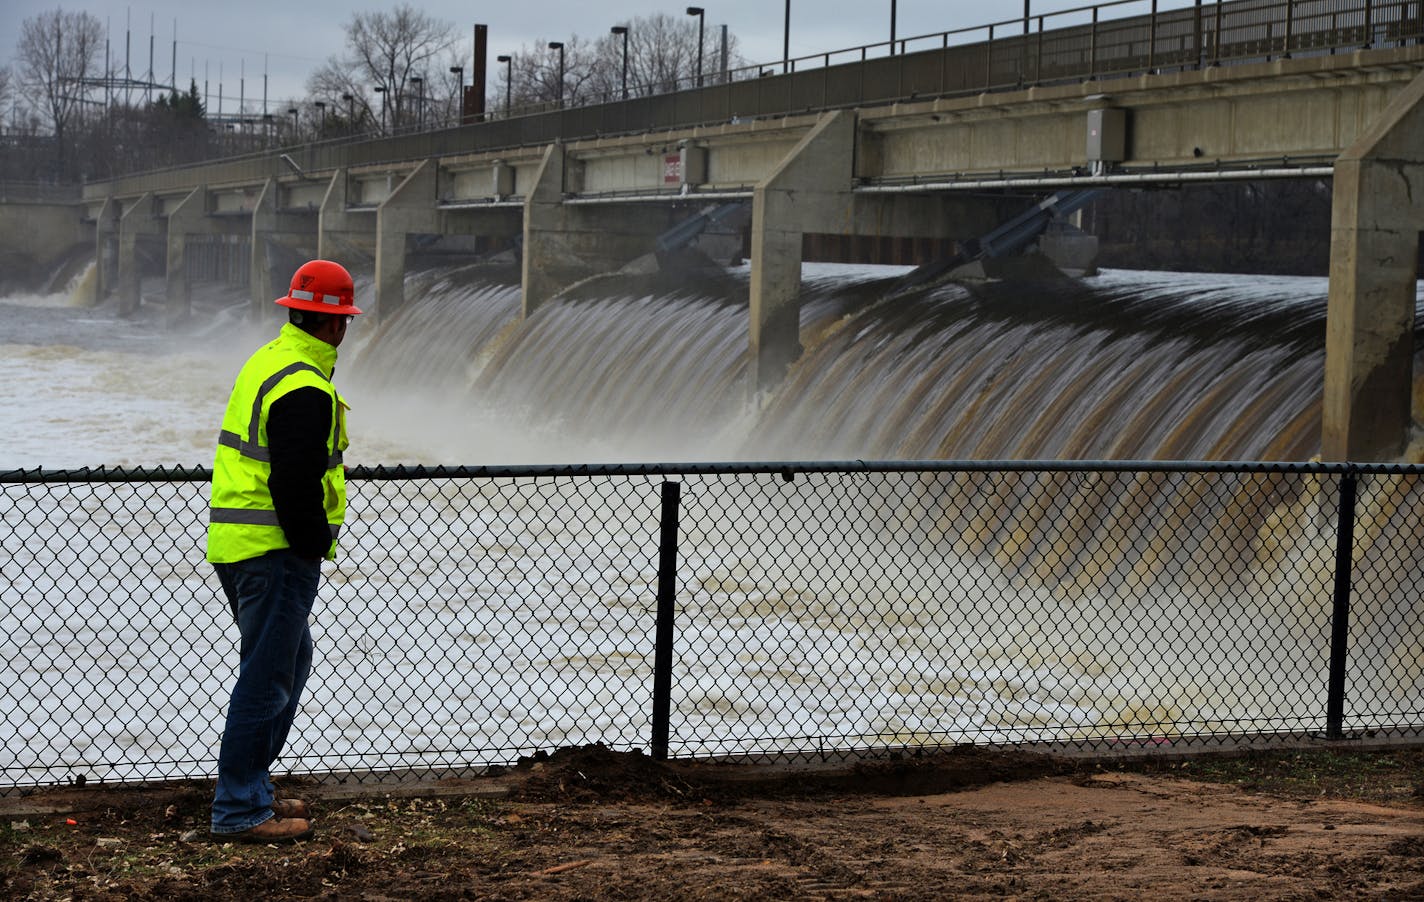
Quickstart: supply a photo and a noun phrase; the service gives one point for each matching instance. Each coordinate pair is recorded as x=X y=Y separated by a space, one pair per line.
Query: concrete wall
x=34 y=238
x=1288 y=109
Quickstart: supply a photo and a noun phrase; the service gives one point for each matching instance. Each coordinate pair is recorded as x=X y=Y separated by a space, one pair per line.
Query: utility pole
x=474 y=111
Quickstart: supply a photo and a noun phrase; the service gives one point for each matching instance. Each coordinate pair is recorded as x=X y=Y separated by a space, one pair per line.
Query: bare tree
x=57 y=53
x=391 y=59
x=347 y=98
x=662 y=54
x=662 y=57
x=440 y=88
x=537 y=70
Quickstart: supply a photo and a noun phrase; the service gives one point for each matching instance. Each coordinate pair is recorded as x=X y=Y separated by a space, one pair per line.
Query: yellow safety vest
x=242 y=520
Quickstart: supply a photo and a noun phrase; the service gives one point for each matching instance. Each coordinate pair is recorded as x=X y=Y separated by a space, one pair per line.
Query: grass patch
x=1391 y=777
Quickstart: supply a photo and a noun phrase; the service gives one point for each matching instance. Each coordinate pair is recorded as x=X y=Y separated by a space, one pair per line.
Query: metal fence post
x=1152 y=40
x=1093 y=47
x=1216 y=37
x=662 y=648
x=1200 y=51
x=989 y=59
x=1340 y=613
x=1290 y=28
x=1038 y=54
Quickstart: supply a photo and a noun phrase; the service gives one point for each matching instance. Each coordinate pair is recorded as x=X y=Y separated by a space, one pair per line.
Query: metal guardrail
x=478 y=615
x=1068 y=46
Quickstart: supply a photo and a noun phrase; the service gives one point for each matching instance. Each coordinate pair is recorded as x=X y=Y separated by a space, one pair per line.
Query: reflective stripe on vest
x=259 y=452
x=250 y=517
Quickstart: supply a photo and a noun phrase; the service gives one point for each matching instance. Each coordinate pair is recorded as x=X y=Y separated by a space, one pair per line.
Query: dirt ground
x=592 y=824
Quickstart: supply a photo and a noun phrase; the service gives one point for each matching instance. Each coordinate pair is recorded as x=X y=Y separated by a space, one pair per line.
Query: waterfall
x=1126 y=365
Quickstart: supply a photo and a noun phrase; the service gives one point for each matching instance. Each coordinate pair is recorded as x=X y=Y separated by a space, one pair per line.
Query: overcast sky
x=291 y=37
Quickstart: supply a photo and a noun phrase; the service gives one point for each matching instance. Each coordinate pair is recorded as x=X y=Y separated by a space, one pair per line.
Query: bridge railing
x=1073 y=45
x=13 y=192
x=478 y=615
x=1098 y=40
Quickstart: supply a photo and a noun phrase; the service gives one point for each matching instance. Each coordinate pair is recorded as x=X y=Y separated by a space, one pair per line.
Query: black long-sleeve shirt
x=298 y=432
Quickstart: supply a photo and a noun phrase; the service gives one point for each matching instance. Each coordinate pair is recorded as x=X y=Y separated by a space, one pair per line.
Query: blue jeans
x=271 y=597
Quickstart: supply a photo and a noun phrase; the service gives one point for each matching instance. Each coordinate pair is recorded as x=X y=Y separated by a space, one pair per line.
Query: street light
x=459 y=73
x=419 y=82
x=559 y=46
x=382 y=91
x=623 y=30
x=697 y=11
x=321 y=105
x=892 y=27
x=293 y=112
x=350 y=111
x=508 y=80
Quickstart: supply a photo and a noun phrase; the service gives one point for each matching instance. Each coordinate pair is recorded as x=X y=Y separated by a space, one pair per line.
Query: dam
x=941 y=144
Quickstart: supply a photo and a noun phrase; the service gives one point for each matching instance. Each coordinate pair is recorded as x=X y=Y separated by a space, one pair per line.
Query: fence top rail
x=787 y=470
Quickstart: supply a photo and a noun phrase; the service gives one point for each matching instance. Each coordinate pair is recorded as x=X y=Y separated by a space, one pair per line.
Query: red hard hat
x=322 y=287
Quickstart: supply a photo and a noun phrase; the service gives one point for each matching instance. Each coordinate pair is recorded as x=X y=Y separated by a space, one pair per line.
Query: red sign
x=672 y=169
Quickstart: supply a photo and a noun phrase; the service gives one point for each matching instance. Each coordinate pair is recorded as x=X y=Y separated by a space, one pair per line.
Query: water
x=1128 y=365
x=780 y=639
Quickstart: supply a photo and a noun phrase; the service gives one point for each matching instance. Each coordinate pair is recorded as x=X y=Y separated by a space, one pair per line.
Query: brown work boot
x=290 y=808
x=273 y=830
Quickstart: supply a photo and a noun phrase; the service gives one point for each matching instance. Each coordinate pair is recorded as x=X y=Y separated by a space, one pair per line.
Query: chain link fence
x=480 y=615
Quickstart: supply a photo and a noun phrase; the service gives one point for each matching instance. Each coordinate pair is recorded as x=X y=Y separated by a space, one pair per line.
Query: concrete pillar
x=187 y=218
x=261 y=286
x=810 y=191
x=1376 y=221
x=543 y=218
x=269 y=223
x=502 y=180
x=566 y=243
x=137 y=220
x=410 y=209
x=333 y=216
x=106 y=231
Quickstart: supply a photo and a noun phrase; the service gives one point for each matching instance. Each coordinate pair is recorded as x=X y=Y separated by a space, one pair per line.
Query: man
x=278 y=499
